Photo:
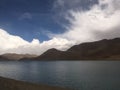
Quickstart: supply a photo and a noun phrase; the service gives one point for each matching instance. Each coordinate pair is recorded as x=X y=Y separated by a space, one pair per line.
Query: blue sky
x=33 y=18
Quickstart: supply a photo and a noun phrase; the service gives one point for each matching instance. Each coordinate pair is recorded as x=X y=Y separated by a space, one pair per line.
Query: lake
x=77 y=75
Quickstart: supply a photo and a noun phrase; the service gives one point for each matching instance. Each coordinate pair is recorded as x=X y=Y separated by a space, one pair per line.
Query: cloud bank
x=100 y=21
x=94 y=24
x=15 y=44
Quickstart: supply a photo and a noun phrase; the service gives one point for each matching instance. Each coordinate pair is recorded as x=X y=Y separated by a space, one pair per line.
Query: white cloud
x=9 y=41
x=15 y=44
x=102 y=18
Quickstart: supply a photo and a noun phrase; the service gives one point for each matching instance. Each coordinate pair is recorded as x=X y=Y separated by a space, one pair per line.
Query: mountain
x=13 y=56
x=99 y=50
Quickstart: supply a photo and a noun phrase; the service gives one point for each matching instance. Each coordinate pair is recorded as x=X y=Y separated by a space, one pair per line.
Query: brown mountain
x=13 y=56
x=99 y=50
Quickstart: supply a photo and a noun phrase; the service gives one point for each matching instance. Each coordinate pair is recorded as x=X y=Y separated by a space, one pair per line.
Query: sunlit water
x=77 y=75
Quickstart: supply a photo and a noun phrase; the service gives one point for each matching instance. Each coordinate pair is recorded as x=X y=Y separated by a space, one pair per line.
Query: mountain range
x=16 y=57
x=98 y=50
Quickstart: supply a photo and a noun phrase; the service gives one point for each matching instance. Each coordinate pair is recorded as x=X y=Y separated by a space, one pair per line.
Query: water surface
x=77 y=75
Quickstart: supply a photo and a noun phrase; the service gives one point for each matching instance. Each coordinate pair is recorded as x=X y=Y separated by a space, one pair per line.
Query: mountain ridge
x=106 y=49
x=16 y=57
x=98 y=50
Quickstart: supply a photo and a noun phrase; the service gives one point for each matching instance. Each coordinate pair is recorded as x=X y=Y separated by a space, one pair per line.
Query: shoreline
x=11 y=84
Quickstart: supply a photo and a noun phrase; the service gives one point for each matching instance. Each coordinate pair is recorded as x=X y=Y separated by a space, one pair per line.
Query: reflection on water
x=77 y=75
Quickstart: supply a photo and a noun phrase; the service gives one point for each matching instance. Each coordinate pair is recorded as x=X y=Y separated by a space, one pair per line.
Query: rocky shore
x=10 y=84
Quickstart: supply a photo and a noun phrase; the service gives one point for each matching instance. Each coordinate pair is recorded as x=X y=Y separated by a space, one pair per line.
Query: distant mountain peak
x=98 y=50
x=14 y=56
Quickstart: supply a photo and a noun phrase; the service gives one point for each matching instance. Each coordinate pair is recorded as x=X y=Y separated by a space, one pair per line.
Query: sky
x=34 y=26
x=33 y=18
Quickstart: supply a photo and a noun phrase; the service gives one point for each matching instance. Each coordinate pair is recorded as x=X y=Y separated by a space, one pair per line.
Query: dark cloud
x=112 y=33
x=64 y=5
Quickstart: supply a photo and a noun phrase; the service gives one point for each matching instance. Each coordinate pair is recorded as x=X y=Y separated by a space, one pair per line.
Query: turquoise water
x=77 y=75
